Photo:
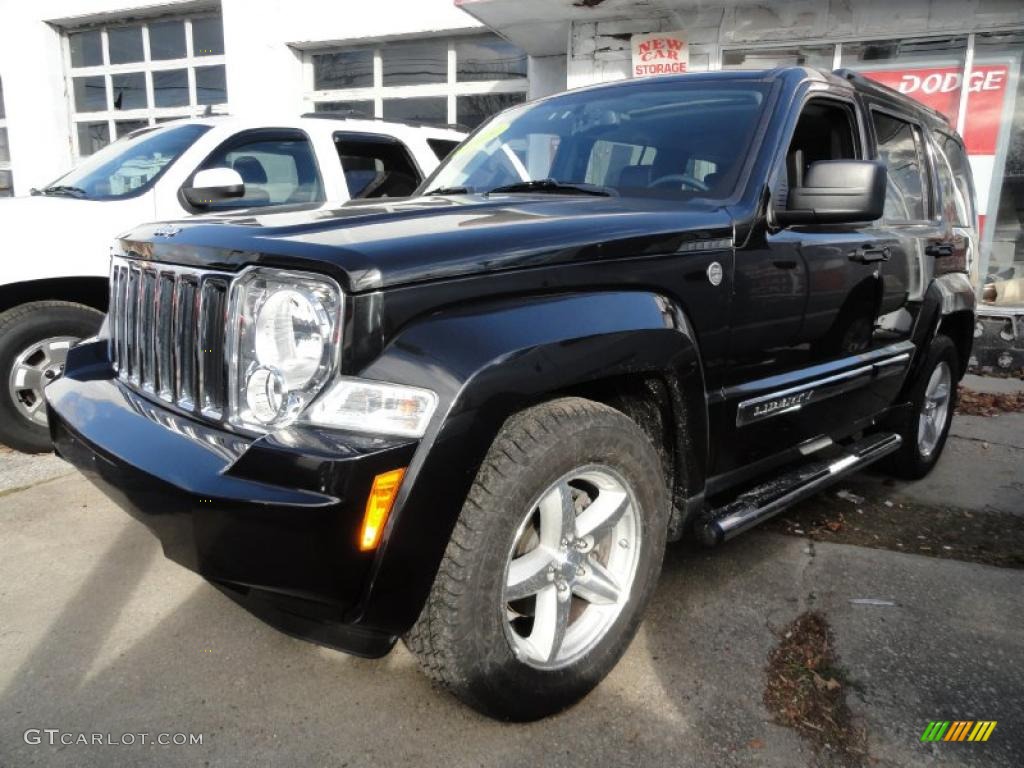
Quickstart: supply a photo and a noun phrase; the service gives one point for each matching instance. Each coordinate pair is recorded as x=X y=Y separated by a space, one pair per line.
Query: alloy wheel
x=571 y=569
x=934 y=410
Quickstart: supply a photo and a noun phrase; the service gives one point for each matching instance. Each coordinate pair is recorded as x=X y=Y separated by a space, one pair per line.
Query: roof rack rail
x=351 y=114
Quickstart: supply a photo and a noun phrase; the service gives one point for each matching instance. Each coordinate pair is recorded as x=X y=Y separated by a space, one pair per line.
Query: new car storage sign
x=660 y=53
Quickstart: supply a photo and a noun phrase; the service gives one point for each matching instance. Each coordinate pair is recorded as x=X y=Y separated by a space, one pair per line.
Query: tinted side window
x=900 y=148
x=376 y=167
x=825 y=131
x=950 y=208
x=276 y=171
x=954 y=153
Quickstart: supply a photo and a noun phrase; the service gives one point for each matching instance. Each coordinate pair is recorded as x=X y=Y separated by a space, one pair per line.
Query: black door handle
x=867 y=255
x=784 y=263
x=938 y=250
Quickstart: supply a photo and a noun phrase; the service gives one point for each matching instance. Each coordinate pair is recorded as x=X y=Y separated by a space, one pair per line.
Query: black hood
x=369 y=246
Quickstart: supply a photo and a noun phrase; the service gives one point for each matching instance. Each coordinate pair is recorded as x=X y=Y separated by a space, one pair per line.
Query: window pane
x=375 y=168
x=86 y=48
x=211 y=85
x=422 y=110
x=3 y=109
x=415 y=62
x=274 y=171
x=125 y=44
x=92 y=137
x=898 y=149
x=349 y=108
x=170 y=88
x=124 y=127
x=473 y=110
x=129 y=90
x=953 y=210
x=167 y=40
x=5 y=148
x=926 y=70
x=90 y=93
x=6 y=184
x=343 y=69
x=207 y=37
x=765 y=58
x=488 y=58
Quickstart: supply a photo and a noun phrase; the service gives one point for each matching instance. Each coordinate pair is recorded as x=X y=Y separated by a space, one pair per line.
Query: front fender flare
x=487 y=362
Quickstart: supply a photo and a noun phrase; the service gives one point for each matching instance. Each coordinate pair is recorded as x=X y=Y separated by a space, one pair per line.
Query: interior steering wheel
x=684 y=181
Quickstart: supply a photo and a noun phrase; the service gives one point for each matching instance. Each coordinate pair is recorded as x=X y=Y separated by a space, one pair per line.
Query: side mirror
x=837 y=192
x=213 y=185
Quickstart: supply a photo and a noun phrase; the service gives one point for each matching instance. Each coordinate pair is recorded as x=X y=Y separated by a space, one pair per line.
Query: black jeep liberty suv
x=471 y=419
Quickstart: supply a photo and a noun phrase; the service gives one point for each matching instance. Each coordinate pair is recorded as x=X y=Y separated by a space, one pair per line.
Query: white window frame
x=150 y=114
x=5 y=165
x=451 y=89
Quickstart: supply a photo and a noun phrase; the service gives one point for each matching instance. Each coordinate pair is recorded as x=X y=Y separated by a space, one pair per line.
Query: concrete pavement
x=98 y=633
x=982 y=469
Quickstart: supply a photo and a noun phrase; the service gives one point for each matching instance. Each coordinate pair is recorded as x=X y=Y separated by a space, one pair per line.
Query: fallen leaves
x=805 y=690
x=993 y=538
x=972 y=403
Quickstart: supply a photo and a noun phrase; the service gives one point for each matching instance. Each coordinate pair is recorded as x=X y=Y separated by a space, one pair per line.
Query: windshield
x=663 y=138
x=129 y=165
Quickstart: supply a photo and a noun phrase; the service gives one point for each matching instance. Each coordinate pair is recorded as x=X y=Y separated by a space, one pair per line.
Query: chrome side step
x=767 y=500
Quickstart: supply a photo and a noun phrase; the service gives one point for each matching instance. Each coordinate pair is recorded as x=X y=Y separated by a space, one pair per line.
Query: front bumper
x=272 y=522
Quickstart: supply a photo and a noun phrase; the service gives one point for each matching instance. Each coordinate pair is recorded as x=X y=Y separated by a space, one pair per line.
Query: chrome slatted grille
x=167 y=333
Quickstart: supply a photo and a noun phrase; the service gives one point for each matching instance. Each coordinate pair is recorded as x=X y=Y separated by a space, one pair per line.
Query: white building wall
x=600 y=51
x=547 y=75
x=263 y=42
x=35 y=88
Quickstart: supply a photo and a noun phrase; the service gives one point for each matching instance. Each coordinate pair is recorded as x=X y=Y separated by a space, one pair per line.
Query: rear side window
x=952 y=155
x=442 y=147
x=900 y=147
x=376 y=166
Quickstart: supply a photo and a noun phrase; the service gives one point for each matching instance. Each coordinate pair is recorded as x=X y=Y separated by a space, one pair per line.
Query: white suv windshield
x=666 y=138
x=129 y=166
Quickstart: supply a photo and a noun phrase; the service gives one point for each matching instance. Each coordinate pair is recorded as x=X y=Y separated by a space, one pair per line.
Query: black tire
x=20 y=328
x=459 y=638
x=909 y=462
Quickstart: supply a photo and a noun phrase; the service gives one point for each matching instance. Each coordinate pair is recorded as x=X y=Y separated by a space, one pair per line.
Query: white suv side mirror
x=213 y=185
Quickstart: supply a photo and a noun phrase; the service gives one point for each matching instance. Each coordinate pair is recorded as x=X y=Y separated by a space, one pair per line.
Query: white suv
x=55 y=244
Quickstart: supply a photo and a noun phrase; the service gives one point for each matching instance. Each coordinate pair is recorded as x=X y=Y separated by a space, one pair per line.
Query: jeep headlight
x=284 y=345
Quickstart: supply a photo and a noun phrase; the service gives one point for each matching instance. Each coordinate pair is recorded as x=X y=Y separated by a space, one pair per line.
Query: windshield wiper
x=556 y=187
x=67 y=191
x=448 y=191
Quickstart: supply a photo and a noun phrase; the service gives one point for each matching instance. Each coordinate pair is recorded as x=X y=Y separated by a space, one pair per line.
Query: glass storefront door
x=996 y=101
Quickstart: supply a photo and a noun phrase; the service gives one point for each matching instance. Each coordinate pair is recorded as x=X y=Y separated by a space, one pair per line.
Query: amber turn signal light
x=378 y=507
